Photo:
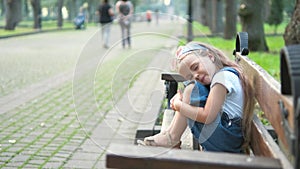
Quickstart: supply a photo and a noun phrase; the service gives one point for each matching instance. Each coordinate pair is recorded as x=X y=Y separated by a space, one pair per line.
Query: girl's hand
x=176 y=101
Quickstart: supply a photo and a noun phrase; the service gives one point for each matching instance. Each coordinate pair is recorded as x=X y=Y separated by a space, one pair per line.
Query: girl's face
x=198 y=68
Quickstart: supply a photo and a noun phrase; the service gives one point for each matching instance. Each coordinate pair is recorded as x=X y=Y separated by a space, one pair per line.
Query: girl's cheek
x=208 y=80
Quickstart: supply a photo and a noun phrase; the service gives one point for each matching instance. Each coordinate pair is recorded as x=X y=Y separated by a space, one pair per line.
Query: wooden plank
x=267 y=93
x=262 y=144
x=134 y=157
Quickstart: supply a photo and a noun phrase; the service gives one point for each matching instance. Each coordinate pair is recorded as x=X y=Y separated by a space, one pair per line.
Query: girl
x=224 y=122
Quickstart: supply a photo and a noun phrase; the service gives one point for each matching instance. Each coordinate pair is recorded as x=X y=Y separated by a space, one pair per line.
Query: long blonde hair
x=221 y=60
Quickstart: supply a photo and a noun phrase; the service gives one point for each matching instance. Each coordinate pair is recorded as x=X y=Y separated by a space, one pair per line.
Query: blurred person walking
x=148 y=16
x=106 y=13
x=125 y=11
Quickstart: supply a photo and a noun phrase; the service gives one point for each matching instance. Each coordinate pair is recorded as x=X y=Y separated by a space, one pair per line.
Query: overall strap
x=232 y=70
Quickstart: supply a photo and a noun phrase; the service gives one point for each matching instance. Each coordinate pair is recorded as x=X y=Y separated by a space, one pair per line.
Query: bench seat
x=131 y=157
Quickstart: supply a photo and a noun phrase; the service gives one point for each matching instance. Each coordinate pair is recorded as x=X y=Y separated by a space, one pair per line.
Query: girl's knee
x=187 y=93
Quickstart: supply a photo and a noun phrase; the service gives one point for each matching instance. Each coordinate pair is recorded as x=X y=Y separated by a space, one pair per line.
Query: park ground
x=64 y=98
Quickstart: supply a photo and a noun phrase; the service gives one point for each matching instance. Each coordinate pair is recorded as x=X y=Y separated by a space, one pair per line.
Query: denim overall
x=224 y=134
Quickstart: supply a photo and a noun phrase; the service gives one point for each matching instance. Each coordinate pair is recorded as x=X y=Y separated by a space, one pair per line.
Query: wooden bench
x=280 y=104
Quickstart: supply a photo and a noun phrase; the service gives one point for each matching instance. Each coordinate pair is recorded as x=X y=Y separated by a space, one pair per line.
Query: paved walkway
x=64 y=99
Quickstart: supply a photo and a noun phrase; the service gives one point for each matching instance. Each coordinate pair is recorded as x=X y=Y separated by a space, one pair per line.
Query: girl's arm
x=212 y=107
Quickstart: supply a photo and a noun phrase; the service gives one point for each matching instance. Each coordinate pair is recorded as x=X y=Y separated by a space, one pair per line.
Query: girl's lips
x=202 y=79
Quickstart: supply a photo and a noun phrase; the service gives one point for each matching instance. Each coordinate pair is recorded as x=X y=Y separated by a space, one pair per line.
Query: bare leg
x=179 y=122
x=171 y=137
x=178 y=126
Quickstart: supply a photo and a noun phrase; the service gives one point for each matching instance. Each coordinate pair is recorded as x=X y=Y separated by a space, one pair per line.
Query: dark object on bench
x=241 y=44
x=290 y=81
x=171 y=82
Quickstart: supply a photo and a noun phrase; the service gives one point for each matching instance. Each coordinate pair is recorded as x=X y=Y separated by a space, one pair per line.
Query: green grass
x=267 y=60
x=199 y=29
x=27 y=27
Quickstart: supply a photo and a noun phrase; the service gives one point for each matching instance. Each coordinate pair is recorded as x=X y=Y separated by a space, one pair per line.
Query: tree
x=37 y=14
x=230 y=22
x=59 y=13
x=208 y=11
x=251 y=14
x=276 y=14
x=292 y=31
x=73 y=7
x=2 y=3
x=213 y=15
x=13 y=13
x=190 y=35
x=26 y=9
x=289 y=7
x=204 y=10
x=217 y=15
x=197 y=11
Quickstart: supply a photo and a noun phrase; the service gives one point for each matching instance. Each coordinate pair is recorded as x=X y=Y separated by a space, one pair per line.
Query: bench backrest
x=278 y=109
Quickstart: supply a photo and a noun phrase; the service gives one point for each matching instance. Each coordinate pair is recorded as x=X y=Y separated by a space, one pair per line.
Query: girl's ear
x=211 y=57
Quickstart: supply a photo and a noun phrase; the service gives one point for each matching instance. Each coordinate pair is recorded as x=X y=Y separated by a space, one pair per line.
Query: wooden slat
x=262 y=144
x=134 y=157
x=267 y=93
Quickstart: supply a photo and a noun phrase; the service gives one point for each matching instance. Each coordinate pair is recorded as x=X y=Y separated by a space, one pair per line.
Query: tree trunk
x=230 y=22
x=197 y=11
x=292 y=31
x=251 y=14
x=25 y=10
x=72 y=8
x=217 y=15
x=190 y=35
x=267 y=10
x=2 y=7
x=208 y=11
x=203 y=13
x=13 y=13
x=59 y=13
x=91 y=9
x=37 y=14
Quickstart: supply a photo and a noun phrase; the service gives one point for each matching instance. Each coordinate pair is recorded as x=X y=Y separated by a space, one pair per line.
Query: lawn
x=267 y=60
x=270 y=61
x=27 y=27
